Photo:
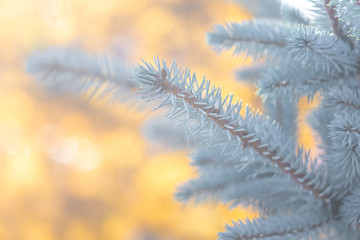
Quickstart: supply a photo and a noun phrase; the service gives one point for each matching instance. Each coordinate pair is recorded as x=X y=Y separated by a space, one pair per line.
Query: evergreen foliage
x=251 y=159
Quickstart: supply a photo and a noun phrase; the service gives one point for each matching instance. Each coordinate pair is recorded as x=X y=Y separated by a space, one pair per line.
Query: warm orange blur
x=73 y=170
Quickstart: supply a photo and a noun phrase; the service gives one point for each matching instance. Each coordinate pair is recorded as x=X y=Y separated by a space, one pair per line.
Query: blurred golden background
x=77 y=170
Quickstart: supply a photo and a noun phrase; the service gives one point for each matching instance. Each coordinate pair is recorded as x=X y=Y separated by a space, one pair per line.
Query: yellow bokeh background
x=78 y=170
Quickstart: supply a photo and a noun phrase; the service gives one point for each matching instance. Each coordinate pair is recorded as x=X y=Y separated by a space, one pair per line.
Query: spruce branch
x=342 y=99
x=320 y=50
x=269 y=195
x=294 y=15
x=350 y=210
x=209 y=186
x=209 y=159
x=334 y=120
x=179 y=88
x=274 y=9
x=325 y=17
x=262 y=8
x=334 y=100
x=292 y=82
x=278 y=227
x=255 y=38
x=344 y=134
x=348 y=13
x=247 y=183
x=73 y=70
x=330 y=9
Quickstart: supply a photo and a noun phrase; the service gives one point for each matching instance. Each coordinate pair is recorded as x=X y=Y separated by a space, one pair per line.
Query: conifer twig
x=181 y=88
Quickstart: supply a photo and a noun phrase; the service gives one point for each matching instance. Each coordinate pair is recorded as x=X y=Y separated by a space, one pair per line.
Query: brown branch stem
x=334 y=20
x=243 y=135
